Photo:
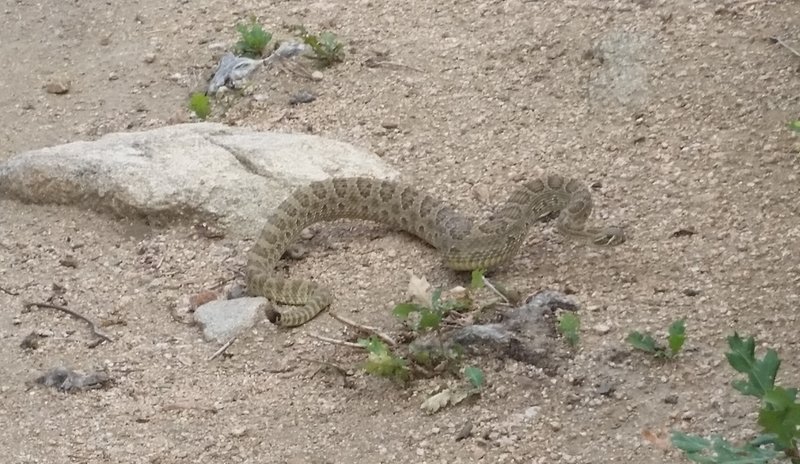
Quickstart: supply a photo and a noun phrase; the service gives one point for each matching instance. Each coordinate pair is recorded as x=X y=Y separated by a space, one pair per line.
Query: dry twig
x=9 y=292
x=780 y=42
x=335 y=341
x=364 y=328
x=222 y=349
x=92 y=325
x=491 y=287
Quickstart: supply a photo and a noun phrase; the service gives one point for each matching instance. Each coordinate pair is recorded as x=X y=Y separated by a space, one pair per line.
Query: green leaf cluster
x=779 y=415
x=675 y=340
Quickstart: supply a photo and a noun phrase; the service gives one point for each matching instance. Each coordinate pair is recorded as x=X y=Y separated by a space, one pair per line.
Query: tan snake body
x=465 y=244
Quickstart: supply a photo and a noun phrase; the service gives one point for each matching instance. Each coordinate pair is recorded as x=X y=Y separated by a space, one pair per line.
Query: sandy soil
x=500 y=92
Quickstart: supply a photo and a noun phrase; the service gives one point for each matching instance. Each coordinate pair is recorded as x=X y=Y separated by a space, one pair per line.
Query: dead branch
x=335 y=341
x=365 y=328
x=491 y=287
x=9 y=292
x=780 y=42
x=222 y=349
x=92 y=325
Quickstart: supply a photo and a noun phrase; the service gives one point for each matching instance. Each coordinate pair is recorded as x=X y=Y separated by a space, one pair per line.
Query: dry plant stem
x=222 y=349
x=365 y=328
x=92 y=325
x=785 y=45
x=9 y=292
x=494 y=289
x=335 y=341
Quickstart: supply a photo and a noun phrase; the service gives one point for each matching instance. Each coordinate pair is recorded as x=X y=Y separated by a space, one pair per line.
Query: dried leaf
x=437 y=401
x=420 y=290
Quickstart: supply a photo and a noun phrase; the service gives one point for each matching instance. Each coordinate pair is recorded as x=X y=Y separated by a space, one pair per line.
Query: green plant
x=429 y=317
x=794 y=125
x=253 y=39
x=675 y=339
x=779 y=415
x=327 y=48
x=200 y=105
x=382 y=362
x=569 y=325
x=475 y=376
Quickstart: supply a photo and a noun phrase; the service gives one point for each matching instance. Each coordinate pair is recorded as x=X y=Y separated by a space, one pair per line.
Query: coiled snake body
x=465 y=244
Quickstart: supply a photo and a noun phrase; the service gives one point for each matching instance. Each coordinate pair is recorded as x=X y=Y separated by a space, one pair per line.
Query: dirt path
x=502 y=91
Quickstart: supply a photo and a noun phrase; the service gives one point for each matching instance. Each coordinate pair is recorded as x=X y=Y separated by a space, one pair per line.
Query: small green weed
x=645 y=342
x=475 y=376
x=200 y=105
x=327 y=48
x=253 y=39
x=569 y=325
x=779 y=416
x=794 y=125
x=382 y=362
x=430 y=318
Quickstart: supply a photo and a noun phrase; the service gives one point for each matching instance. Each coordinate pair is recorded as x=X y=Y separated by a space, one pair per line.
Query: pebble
x=390 y=124
x=602 y=329
x=112 y=76
x=149 y=57
x=317 y=75
x=307 y=233
x=57 y=86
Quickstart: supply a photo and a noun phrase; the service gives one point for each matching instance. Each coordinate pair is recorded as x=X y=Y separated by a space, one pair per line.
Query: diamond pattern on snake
x=464 y=243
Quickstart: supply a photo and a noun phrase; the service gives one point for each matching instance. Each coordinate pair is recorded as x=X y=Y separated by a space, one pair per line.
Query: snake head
x=610 y=236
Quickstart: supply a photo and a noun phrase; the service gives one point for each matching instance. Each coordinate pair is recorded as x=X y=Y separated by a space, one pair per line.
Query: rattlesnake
x=465 y=244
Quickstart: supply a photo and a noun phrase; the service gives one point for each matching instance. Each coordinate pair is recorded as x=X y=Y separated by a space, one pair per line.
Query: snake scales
x=465 y=244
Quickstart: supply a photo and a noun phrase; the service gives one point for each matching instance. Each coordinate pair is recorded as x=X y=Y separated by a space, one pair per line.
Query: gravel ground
x=482 y=95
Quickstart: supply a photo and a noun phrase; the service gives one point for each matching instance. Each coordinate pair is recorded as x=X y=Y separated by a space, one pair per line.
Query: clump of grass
x=253 y=39
x=200 y=105
x=569 y=326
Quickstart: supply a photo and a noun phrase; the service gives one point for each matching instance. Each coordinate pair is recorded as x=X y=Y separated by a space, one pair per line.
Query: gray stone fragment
x=223 y=319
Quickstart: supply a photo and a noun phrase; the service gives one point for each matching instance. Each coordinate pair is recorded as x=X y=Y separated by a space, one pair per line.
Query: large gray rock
x=211 y=172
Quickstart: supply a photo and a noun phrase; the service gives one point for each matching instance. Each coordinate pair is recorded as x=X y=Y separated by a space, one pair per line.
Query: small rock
x=307 y=233
x=57 y=86
x=303 y=96
x=465 y=431
x=691 y=292
x=602 y=329
x=112 y=76
x=317 y=75
x=684 y=232
x=671 y=399
x=105 y=40
x=239 y=432
x=606 y=388
x=69 y=261
x=30 y=342
x=390 y=125
x=149 y=57
x=222 y=319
